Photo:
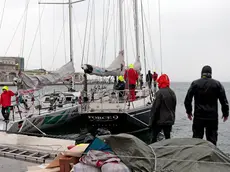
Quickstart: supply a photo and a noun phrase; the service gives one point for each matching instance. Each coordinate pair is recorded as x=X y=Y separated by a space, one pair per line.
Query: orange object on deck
x=65 y=163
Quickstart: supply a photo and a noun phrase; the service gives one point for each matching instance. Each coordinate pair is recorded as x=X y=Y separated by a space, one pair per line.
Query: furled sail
x=39 y=81
x=116 y=68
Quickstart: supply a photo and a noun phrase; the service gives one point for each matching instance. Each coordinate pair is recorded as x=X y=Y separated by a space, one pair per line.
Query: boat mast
x=70 y=31
x=121 y=37
x=143 y=37
x=121 y=25
x=70 y=27
x=71 y=38
x=135 y=3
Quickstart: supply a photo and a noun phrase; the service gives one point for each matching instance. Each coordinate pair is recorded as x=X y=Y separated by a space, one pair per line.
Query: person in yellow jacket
x=120 y=86
x=5 y=101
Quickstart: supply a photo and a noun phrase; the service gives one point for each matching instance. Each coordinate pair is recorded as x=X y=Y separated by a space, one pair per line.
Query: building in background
x=9 y=67
x=36 y=72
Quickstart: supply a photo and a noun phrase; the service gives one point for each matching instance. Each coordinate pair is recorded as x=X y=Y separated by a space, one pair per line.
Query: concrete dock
x=49 y=145
x=10 y=165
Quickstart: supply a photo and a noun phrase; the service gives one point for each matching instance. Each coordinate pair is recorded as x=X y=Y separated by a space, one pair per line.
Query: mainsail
x=39 y=81
x=137 y=66
x=116 y=68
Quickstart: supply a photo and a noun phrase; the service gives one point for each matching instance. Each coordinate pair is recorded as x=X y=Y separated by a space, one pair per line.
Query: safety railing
x=117 y=100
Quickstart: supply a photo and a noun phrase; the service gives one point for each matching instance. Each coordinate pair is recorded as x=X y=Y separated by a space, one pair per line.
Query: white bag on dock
x=115 y=167
x=80 y=167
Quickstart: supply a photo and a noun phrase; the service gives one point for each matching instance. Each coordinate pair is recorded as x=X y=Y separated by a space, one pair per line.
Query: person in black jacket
x=206 y=92
x=163 y=109
x=149 y=79
x=120 y=86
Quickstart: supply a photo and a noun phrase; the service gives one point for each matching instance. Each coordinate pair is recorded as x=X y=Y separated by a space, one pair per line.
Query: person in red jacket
x=162 y=115
x=155 y=76
x=131 y=77
x=5 y=101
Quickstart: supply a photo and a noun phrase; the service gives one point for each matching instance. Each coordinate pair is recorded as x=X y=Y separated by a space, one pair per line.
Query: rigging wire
x=40 y=35
x=129 y=27
x=94 y=33
x=34 y=38
x=108 y=24
x=114 y=30
x=90 y=27
x=103 y=32
x=59 y=38
x=16 y=29
x=149 y=21
x=125 y=33
x=84 y=42
x=143 y=35
x=150 y=40
x=136 y=23
x=115 y=27
x=3 y=11
x=24 y=31
x=53 y=28
x=159 y=10
x=63 y=15
x=78 y=33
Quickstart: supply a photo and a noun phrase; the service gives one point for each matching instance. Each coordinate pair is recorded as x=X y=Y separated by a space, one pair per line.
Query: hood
x=121 y=78
x=163 y=81
x=131 y=66
x=206 y=72
x=5 y=88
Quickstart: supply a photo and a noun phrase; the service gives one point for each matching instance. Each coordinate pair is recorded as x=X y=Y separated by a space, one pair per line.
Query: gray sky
x=194 y=33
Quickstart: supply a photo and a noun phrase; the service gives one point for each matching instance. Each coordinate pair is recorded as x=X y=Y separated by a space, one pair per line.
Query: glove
x=190 y=117
x=225 y=118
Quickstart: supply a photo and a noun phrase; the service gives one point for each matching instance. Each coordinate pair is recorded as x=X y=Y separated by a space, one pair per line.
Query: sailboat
x=52 y=110
x=109 y=111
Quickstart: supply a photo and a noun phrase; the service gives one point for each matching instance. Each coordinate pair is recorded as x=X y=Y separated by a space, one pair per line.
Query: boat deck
x=117 y=106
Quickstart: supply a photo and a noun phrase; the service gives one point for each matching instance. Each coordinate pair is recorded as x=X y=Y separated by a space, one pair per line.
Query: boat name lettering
x=103 y=118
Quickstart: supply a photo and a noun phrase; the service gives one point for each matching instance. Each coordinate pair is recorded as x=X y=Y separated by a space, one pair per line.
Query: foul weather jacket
x=149 y=77
x=155 y=76
x=164 y=107
x=5 y=100
x=131 y=76
x=206 y=92
x=120 y=85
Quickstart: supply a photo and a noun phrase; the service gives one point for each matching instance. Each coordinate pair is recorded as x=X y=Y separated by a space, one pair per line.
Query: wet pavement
x=12 y=165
